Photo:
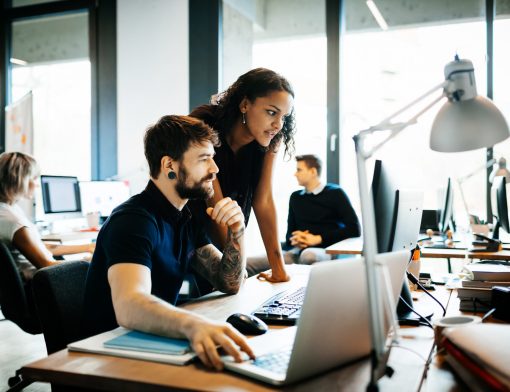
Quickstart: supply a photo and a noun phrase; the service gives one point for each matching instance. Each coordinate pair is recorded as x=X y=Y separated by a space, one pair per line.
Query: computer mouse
x=247 y=324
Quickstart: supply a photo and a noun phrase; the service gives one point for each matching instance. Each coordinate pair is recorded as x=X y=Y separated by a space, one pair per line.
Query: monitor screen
x=103 y=196
x=384 y=193
x=500 y=205
x=397 y=220
x=446 y=212
x=60 y=194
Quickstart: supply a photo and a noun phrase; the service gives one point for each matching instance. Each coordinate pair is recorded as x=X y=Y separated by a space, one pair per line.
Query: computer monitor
x=500 y=205
x=60 y=197
x=383 y=194
x=446 y=211
x=103 y=196
x=397 y=211
x=397 y=219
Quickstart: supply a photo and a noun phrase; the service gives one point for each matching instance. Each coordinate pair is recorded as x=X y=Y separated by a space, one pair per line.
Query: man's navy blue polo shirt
x=147 y=229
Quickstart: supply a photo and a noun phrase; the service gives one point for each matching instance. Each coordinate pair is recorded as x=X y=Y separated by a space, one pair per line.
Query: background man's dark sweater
x=329 y=214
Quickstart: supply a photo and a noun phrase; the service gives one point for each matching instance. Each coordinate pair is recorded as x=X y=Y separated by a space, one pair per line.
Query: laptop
x=333 y=328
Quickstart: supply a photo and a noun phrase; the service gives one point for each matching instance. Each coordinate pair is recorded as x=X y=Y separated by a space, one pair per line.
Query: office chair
x=58 y=292
x=15 y=297
x=17 y=303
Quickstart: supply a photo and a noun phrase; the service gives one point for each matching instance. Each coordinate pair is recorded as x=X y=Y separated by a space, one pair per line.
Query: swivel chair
x=16 y=302
x=58 y=292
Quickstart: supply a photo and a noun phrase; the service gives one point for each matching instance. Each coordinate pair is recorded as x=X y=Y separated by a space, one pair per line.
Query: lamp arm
x=486 y=165
x=388 y=119
x=396 y=128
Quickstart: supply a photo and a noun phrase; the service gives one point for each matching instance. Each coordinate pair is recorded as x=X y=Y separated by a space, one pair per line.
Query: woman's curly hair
x=224 y=111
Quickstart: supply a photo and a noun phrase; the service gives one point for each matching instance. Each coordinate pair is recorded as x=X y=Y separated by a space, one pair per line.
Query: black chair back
x=16 y=297
x=59 y=291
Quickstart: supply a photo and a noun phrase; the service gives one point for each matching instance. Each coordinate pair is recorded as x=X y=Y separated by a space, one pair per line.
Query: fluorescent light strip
x=18 y=61
x=377 y=15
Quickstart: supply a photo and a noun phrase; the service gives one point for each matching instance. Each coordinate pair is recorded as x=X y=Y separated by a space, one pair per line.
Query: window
x=501 y=77
x=293 y=43
x=385 y=70
x=50 y=58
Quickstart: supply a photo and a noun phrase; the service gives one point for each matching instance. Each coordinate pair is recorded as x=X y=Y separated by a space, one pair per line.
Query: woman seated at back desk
x=18 y=178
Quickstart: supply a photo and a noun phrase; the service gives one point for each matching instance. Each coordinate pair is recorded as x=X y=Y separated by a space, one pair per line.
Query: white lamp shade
x=468 y=125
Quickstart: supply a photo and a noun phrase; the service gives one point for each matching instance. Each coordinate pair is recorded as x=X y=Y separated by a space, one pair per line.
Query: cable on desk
x=425 y=361
x=423 y=320
x=414 y=280
x=488 y=314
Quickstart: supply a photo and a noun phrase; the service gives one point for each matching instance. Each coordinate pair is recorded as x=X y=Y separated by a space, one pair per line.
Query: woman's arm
x=31 y=246
x=60 y=250
x=265 y=211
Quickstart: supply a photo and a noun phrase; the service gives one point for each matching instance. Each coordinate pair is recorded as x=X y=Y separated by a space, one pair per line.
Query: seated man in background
x=150 y=242
x=319 y=215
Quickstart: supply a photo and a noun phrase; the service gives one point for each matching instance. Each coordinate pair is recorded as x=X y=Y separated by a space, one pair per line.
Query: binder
x=95 y=344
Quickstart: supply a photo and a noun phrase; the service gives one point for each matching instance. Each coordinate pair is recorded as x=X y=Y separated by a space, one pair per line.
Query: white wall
x=152 y=75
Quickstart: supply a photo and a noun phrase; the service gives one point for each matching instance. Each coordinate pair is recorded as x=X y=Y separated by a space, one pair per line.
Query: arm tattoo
x=225 y=272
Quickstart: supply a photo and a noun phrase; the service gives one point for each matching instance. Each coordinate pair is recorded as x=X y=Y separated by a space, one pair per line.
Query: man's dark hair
x=311 y=161
x=172 y=136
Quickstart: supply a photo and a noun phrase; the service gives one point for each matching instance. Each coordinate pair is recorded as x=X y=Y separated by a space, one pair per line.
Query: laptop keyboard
x=277 y=362
x=283 y=308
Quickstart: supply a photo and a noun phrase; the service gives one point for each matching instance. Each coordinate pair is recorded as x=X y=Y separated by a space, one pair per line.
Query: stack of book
x=475 y=294
x=480 y=355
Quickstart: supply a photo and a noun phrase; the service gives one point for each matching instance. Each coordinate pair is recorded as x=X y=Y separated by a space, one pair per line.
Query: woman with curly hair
x=253 y=117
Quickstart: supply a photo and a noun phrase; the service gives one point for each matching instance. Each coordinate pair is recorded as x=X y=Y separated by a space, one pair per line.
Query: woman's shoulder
x=11 y=213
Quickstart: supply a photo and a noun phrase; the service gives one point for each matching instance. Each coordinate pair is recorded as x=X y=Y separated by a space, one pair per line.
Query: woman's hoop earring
x=172 y=175
x=243 y=115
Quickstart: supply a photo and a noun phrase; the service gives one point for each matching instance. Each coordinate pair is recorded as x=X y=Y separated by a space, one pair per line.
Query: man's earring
x=172 y=175
x=243 y=116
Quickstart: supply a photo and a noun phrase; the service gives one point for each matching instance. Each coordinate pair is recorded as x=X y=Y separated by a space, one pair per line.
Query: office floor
x=18 y=348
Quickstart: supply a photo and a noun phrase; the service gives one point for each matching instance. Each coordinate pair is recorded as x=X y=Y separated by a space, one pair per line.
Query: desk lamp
x=465 y=122
x=500 y=170
x=461 y=180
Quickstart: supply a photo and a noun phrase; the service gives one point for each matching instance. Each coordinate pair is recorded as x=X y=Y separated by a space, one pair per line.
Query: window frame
x=103 y=59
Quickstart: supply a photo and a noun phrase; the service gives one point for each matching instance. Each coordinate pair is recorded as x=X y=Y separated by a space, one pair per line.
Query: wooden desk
x=353 y=246
x=122 y=374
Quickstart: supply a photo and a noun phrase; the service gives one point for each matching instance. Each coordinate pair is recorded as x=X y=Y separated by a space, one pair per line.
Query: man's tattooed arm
x=225 y=272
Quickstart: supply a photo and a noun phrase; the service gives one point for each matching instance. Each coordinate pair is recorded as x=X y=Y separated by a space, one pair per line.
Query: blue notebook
x=140 y=341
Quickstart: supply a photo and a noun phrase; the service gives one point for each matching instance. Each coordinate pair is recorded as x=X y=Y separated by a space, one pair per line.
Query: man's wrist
x=237 y=234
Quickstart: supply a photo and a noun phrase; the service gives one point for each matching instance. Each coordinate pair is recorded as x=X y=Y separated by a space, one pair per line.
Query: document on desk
x=155 y=350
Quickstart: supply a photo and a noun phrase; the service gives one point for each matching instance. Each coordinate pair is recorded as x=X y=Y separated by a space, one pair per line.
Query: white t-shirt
x=12 y=218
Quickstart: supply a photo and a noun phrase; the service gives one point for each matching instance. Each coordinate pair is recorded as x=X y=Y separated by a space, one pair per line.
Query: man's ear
x=168 y=164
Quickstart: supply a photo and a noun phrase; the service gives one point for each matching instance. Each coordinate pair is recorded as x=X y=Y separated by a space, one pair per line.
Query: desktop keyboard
x=283 y=308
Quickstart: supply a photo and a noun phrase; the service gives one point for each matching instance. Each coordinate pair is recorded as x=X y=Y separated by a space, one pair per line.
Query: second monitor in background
x=500 y=206
x=60 y=197
x=103 y=196
x=446 y=221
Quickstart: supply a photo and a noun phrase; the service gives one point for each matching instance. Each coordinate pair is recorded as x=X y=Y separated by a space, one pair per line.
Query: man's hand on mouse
x=205 y=336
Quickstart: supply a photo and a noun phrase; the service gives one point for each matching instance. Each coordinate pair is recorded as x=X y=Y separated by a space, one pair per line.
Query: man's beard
x=195 y=191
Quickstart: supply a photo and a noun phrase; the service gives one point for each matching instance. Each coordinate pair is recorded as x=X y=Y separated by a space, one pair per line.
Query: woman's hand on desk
x=205 y=336
x=274 y=276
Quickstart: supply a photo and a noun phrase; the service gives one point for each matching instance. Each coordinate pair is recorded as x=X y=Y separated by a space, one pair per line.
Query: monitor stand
x=406 y=316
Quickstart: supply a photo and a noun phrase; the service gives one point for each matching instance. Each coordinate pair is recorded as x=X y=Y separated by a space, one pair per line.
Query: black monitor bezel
x=45 y=198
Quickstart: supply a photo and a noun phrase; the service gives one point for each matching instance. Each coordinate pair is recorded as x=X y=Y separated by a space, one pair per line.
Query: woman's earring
x=243 y=115
x=172 y=175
